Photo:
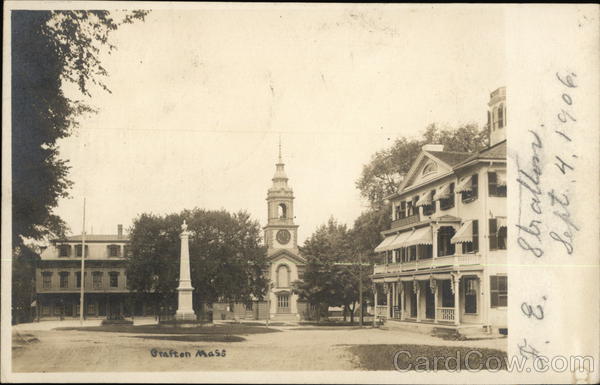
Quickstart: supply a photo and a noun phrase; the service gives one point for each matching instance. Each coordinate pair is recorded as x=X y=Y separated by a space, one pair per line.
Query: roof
x=96 y=238
x=497 y=151
x=449 y=157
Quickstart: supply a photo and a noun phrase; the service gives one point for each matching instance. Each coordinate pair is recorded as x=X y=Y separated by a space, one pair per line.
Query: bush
x=121 y=321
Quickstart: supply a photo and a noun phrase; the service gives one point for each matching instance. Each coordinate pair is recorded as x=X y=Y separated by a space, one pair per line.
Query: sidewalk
x=53 y=324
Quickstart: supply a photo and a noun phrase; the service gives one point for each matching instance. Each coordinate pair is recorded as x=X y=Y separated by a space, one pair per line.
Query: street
x=37 y=347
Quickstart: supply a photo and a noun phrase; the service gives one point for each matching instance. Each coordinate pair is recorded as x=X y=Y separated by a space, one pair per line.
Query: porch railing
x=381 y=311
x=405 y=221
x=428 y=263
x=445 y=314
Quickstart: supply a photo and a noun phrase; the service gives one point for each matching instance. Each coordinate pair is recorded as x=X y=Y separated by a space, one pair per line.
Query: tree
x=48 y=49
x=227 y=260
x=382 y=175
x=331 y=276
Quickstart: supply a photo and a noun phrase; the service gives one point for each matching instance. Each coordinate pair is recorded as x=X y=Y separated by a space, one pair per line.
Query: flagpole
x=82 y=277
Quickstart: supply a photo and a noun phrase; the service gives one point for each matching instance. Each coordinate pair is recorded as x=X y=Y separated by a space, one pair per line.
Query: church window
x=282 y=210
x=283 y=276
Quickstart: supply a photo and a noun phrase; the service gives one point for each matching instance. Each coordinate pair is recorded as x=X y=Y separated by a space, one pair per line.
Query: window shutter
x=475 y=236
x=474 y=185
x=493 y=291
x=493 y=234
x=492 y=184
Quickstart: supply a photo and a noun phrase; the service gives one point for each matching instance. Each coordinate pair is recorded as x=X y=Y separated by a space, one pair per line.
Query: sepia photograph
x=233 y=187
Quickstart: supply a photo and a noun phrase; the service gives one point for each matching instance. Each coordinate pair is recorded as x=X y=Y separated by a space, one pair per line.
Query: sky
x=200 y=98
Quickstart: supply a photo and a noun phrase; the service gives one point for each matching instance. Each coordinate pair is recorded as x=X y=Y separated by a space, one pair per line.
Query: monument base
x=185 y=316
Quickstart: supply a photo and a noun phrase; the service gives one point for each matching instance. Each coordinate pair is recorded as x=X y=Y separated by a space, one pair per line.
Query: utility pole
x=360 y=289
x=82 y=280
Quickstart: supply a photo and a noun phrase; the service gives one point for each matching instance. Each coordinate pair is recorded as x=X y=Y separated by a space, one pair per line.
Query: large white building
x=444 y=256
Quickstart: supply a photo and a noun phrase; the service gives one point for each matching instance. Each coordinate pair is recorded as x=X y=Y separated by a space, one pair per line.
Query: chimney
x=433 y=147
x=120 y=231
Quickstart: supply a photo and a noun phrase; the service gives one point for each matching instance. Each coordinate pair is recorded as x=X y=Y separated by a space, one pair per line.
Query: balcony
x=405 y=221
x=429 y=263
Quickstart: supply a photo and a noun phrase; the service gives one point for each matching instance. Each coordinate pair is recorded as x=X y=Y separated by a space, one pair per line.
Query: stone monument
x=185 y=308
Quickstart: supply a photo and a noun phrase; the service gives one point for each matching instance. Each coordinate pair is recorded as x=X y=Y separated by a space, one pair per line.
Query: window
x=498 y=290
x=114 y=250
x=473 y=247
x=470 y=295
x=471 y=195
x=389 y=256
x=494 y=189
x=497 y=235
x=97 y=280
x=448 y=203
x=425 y=251
x=397 y=212
x=429 y=168
x=64 y=250
x=91 y=308
x=402 y=213
x=282 y=210
x=444 y=237
x=114 y=278
x=283 y=276
x=430 y=208
x=409 y=208
x=501 y=116
x=45 y=310
x=78 y=250
x=447 y=295
x=78 y=279
x=64 y=279
x=46 y=280
x=412 y=253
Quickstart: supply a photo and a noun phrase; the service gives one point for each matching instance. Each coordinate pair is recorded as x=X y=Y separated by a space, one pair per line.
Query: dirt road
x=294 y=348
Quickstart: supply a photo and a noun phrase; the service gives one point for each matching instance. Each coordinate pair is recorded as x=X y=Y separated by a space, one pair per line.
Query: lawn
x=427 y=357
x=232 y=329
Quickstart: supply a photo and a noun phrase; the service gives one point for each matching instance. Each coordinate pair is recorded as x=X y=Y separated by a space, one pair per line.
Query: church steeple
x=280 y=231
x=280 y=178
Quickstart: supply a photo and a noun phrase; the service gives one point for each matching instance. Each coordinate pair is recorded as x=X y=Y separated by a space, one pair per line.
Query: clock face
x=283 y=236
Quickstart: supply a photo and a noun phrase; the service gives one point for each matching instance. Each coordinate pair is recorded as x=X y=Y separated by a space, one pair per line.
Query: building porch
x=444 y=299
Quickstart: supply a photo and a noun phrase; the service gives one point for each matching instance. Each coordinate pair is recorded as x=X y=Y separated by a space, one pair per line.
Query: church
x=286 y=264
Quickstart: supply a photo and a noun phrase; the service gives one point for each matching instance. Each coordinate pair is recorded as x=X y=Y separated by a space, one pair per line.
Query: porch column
x=434 y=253
x=389 y=300
x=401 y=300
x=436 y=295
x=375 y=303
x=456 y=285
x=418 y=289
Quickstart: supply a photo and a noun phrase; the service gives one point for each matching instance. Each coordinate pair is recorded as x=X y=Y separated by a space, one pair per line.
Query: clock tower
x=281 y=238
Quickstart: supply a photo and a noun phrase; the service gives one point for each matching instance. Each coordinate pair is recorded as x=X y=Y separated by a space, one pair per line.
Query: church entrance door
x=283 y=303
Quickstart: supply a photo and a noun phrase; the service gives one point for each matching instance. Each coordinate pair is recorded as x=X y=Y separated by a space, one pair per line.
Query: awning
x=464 y=185
x=464 y=234
x=425 y=199
x=420 y=236
x=442 y=192
x=400 y=240
x=501 y=178
x=384 y=245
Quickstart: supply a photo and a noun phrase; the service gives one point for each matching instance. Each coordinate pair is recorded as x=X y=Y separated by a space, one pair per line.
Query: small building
x=443 y=260
x=58 y=277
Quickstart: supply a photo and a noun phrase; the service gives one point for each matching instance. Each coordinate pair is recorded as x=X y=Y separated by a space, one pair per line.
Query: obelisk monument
x=185 y=308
